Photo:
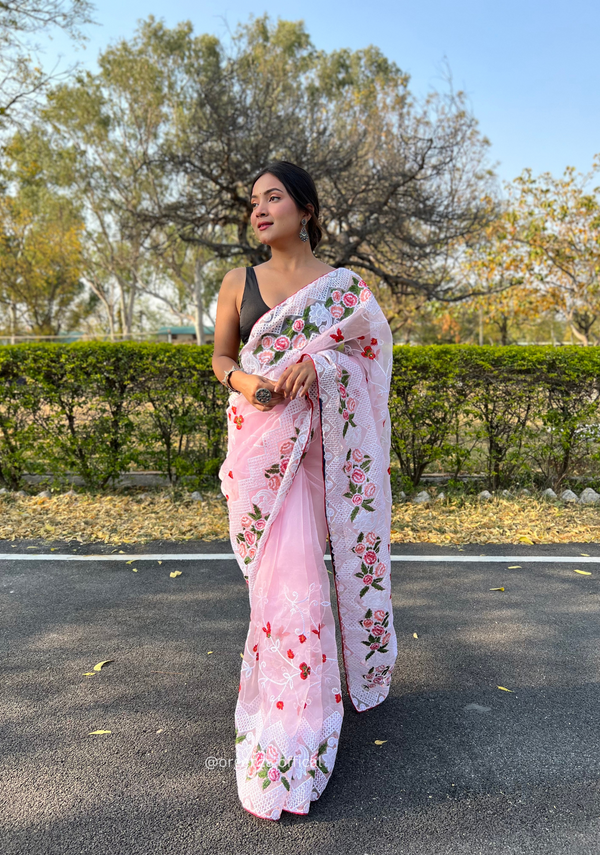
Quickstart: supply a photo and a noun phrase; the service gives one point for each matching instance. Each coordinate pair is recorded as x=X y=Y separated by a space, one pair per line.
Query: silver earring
x=303 y=232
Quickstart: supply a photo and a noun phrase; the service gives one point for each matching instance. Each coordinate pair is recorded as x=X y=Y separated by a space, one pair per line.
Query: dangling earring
x=303 y=232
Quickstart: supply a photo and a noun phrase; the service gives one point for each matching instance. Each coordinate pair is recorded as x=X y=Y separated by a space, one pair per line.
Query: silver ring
x=263 y=396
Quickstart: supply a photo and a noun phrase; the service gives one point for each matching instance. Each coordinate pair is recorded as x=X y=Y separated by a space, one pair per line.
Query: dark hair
x=301 y=188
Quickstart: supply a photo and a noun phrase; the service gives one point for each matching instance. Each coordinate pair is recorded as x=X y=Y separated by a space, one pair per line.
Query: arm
x=227 y=343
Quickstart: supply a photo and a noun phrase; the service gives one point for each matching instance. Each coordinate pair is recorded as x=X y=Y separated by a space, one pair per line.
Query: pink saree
x=311 y=467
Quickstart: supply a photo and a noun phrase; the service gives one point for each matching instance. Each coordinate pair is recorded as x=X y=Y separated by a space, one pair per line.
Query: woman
x=307 y=459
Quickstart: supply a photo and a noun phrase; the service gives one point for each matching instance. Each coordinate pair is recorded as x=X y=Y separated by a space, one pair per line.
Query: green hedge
x=518 y=414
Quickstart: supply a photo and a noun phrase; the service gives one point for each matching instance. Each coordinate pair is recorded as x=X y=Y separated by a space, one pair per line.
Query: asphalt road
x=466 y=767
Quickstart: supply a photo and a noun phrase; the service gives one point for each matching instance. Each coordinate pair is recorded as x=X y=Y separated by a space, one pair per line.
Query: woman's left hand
x=297 y=379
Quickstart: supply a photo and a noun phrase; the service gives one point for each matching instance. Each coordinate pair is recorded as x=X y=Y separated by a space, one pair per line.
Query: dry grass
x=117 y=519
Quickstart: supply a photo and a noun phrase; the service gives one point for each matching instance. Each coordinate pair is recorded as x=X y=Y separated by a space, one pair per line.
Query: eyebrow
x=267 y=191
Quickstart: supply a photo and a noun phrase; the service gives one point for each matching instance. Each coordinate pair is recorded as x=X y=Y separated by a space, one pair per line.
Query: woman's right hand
x=248 y=384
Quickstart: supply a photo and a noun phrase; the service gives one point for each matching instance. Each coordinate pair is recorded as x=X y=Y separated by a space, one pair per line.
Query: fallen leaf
x=101 y=664
x=583 y=572
x=380 y=741
x=121 y=552
x=585 y=554
x=98 y=732
x=524 y=539
x=130 y=562
x=514 y=567
x=160 y=562
x=496 y=589
x=505 y=690
x=90 y=674
x=242 y=655
x=415 y=635
x=175 y=573
x=134 y=569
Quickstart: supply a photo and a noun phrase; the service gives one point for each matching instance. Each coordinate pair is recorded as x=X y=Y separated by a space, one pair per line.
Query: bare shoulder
x=232 y=286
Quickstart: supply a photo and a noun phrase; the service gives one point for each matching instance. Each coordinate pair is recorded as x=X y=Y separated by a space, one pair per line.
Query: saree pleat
x=308 y=469
x=296 y=722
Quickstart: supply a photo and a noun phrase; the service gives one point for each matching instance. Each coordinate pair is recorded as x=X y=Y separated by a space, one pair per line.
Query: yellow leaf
x=121 y=552
x=496 y=589
x=242 y=655
x=394 y=530
x=415 y=635
x=100 y=664
x=175 y=573
x=505 y=690
x=90 y=674
x=98 y=732
x=583 y=572
x=585 y=554
x=130 y=562
x=524 y=539
x=160 y=562
x=380 y=741
x=134 y=569
x=514 y=567
x=210 y=651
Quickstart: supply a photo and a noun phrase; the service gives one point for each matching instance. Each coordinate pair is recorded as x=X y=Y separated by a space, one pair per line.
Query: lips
x=264 y=226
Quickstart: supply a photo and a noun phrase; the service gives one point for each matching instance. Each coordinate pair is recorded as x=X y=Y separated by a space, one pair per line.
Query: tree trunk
x=199 y=308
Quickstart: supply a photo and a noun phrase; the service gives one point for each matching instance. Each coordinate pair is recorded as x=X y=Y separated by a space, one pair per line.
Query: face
x=275 y=215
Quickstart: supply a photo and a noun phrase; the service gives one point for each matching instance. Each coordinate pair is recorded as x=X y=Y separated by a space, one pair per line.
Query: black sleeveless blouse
x=253 y=306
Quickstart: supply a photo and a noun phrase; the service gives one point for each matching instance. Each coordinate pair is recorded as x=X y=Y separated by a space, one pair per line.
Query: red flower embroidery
x=290 y=654
x=301 y=639
x=338 y=697
x=368 y=352
x=279 y=705
x=337 y=336
x=238 y=421
x=317 y=632
x=373 y=341
x=324 y=657
x=255 y=648
x=230 y=474
x=304 y=670
x=267 y=629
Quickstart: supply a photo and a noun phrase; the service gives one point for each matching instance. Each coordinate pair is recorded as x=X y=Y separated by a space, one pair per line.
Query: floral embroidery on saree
x=290 y=697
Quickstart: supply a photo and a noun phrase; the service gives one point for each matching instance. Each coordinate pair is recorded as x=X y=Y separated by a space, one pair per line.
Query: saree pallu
x=311 y=468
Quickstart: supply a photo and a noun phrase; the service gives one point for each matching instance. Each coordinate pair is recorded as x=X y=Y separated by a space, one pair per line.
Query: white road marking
x=229 y=556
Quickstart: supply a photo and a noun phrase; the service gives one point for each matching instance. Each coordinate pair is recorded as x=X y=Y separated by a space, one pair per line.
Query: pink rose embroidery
x=364 y=295
x=267 y=341
x=259 y=759
x=375 y=646
x=336 y=296
x=351 y=405
x=252 y=770
x=370 y=557
x=367 y=623
x=260 y=524
x=357 y=499
x=265 y=357
x=273 y=774
x=370 y=490
x=281 y=343
x=274 y=483
x=272 y=754
x=251 y=552
x=371 y=538
x=357 y=455
x=284 y=465
x=346 y=415
x=298 y=325
x=250 y=537
x=358 y=476
x=359 y=549
x=286 y=447
x=367 y=578
x=342 y=390
x=246 y=521
x=380 y=569
x=349 y=299
x=386 y=638
x=243 y=550
x=299 y=341
x=362 y=284
x=378 y=630
x=336 y=312
x=347 y=467
x=379 y=614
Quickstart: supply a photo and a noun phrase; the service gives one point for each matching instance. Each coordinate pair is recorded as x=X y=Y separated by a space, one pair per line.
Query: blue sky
x=530 y=69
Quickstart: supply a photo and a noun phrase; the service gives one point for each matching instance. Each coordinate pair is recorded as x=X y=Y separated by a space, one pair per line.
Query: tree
x=401 y=183
x=21 y=78
x=557 y=222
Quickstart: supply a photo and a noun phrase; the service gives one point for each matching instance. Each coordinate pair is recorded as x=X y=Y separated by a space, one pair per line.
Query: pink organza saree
x=311 y=467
